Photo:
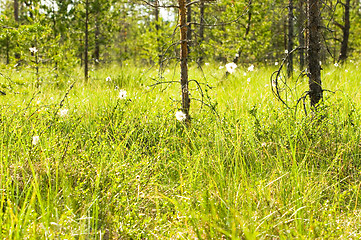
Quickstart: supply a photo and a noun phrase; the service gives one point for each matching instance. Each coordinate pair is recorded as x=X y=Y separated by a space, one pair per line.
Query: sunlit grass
x=113 y=168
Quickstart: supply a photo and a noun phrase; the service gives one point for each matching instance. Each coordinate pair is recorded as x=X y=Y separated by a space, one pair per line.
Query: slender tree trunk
x=16 y=17
x=201 y=28
x=184 y=58
x=16 y=10
x=249 y=19
x=301 y=35
x=346 y=32
x=55 y=36
x=189 y=30
x=157 y=28
x=290 y=39
x=314 y=47
x=97 y=42
x=7 y=51
x=86 y=76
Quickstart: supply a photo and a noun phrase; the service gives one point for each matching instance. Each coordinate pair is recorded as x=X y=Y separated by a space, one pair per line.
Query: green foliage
x=126 y=30
x=106 y=167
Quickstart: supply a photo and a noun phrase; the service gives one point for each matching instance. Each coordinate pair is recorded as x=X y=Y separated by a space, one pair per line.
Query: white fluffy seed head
x=63 y=112
x=180 y=116
x=122 y=94
x=36 y=140
x=231 y=67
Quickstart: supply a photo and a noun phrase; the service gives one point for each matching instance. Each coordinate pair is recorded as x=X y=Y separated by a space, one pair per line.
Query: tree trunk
x=97 y=42
x=86 y=40
x=249 y=19
x=55 y=36
x=157 y=28
x=16 y=10
x=314 y=47
x=16 y=17
x=201 y=28
x=189 y=30
x=290 y=39
x=184 y=58
x=346 y=32
x=7 y=50
x=301 y=35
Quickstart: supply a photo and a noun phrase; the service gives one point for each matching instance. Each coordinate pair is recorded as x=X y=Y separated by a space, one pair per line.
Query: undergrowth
x=111 y=168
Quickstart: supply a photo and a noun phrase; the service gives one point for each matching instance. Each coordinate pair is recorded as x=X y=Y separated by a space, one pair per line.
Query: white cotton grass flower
x=336 y=64
x=122 y=94
x=36 y=140
x=221 y=67
x=237 y=55
x=231 y=67
x=108 y=79
x=251 y=68
x=63 y=112
x=33 y=50
x=276 y=63
x=180 y=116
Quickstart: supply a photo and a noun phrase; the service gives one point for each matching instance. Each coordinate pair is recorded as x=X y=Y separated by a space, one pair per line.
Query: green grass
x=126 y=169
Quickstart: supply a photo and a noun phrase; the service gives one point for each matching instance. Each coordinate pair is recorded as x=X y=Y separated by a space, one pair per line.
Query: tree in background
x=201 y=28
x=345 y=30
x=184 y=58
x=314 y=47
x=290 y=39
x=301 y=27
x=121 y=31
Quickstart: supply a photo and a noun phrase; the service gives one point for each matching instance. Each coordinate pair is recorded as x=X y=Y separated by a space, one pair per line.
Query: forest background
x=93 y=143
x=121 y=31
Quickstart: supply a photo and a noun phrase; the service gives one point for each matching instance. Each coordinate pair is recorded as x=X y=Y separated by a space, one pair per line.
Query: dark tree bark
x=157 y=28
x=314 y=47
x=16 y=10
x=249 y=19
x=345 y=32
x=201 y=27
x=156 y=15
x=301 y=35
x=184 y=58
x=86 y=45
x=290 y=39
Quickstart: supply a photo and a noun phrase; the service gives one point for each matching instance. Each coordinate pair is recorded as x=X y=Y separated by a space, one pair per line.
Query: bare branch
x=339 y=25
x=160 y=6
x=199 y=1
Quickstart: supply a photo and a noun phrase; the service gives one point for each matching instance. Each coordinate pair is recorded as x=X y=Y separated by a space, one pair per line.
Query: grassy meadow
x=78 y=162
